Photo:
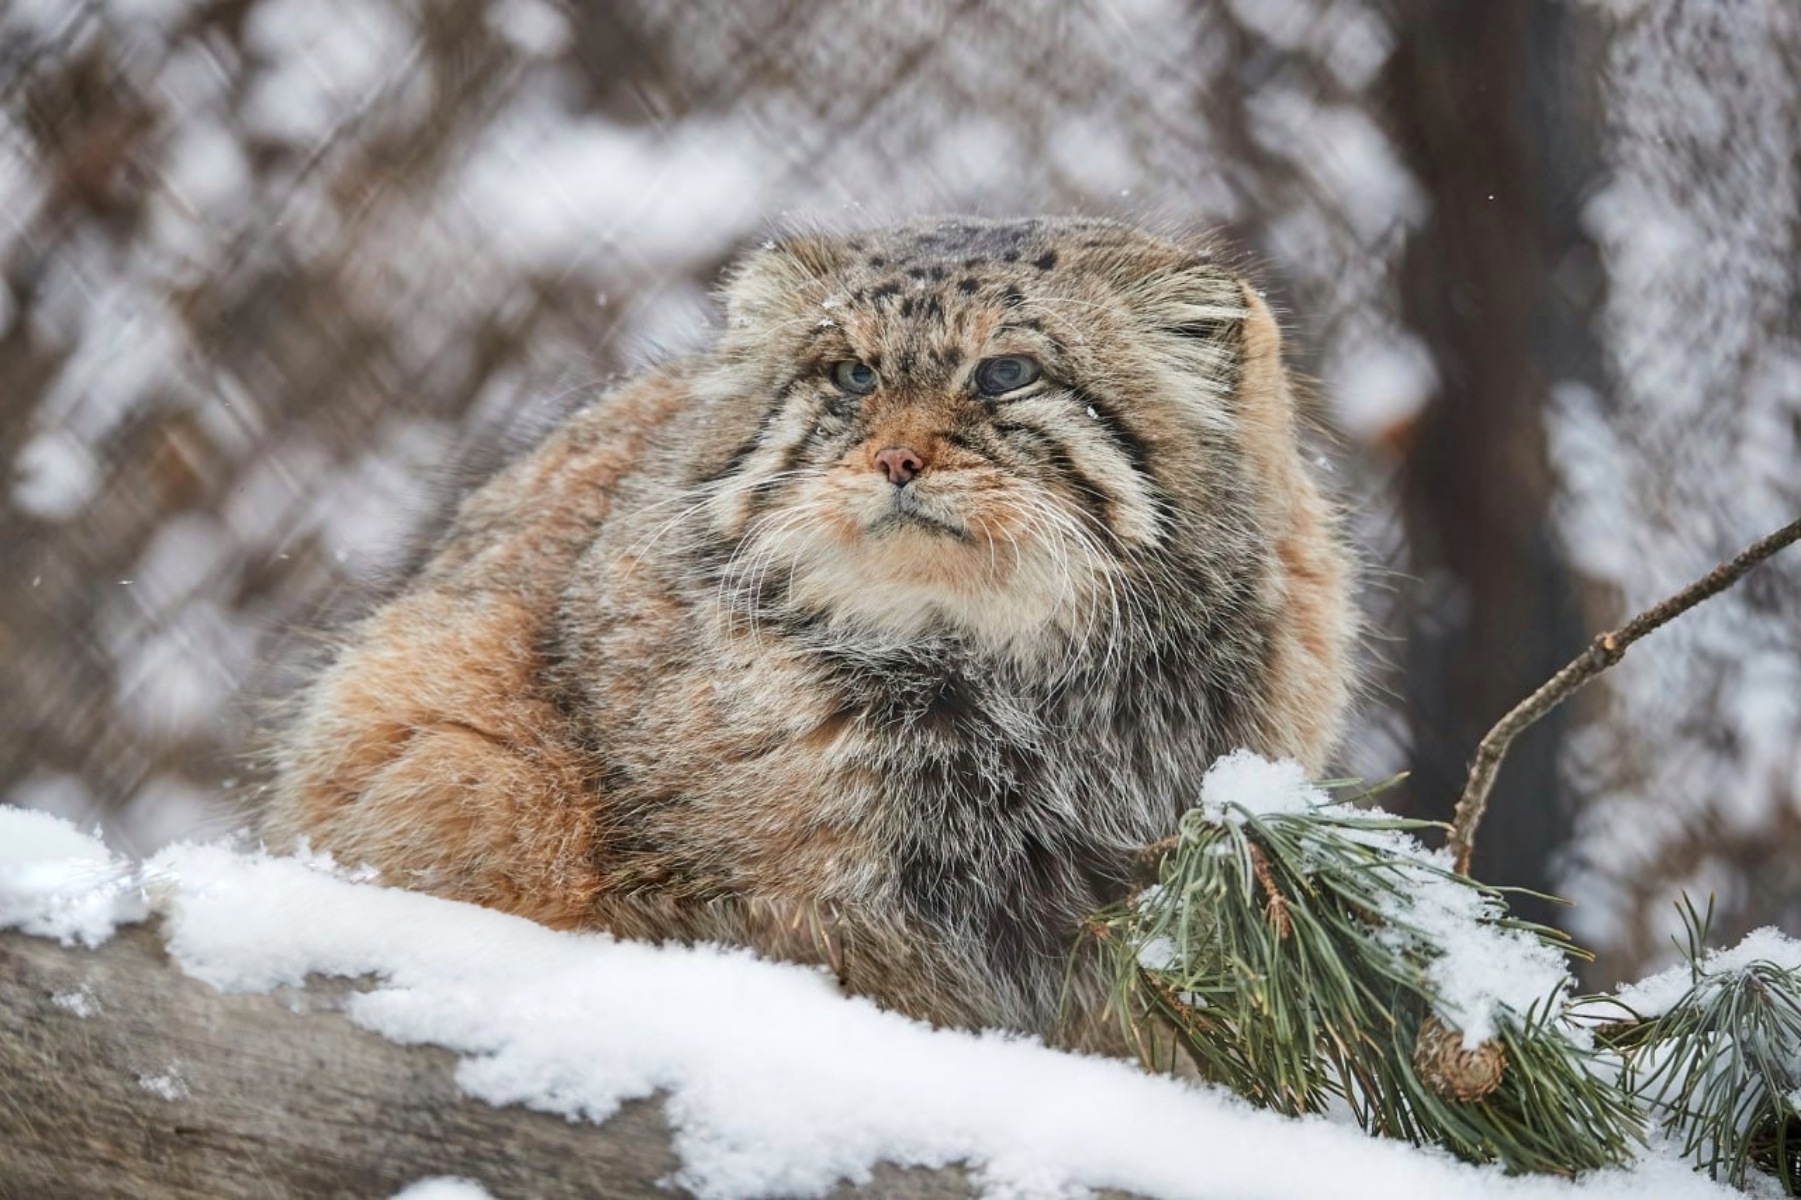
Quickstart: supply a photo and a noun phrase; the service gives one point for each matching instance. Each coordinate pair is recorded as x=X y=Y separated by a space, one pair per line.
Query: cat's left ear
x=765 y=283
x=1261 y=371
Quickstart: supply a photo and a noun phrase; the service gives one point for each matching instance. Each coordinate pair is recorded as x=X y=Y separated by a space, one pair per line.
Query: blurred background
x=270 y=270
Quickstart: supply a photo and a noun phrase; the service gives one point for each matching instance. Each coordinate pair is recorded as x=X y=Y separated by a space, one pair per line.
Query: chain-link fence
x=274 y=272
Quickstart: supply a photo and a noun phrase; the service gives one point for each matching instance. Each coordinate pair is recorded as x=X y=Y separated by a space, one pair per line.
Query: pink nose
x=899 y=463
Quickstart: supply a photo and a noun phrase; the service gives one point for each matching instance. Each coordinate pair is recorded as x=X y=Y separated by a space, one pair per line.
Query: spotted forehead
x=956 y=277
x=963 y=249
x=925 y=315
x=946 y=291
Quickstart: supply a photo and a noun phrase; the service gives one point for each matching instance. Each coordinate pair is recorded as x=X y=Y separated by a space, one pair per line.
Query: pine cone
x=1453 y=1072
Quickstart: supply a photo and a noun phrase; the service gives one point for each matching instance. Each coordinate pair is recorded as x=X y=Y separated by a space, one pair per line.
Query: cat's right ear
x=766 y=283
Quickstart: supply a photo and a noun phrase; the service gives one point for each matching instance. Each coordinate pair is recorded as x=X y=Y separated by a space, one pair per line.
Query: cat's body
x=895 y=676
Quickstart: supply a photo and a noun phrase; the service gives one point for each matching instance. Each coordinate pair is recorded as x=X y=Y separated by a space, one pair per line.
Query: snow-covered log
x=214 y=1021
x=122 y=1076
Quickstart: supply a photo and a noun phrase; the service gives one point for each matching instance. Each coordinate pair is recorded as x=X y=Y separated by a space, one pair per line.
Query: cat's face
x=979 y=427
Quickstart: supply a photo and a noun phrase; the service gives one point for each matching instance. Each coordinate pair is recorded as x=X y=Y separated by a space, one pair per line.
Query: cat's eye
x=997 y=376
x=857 y=378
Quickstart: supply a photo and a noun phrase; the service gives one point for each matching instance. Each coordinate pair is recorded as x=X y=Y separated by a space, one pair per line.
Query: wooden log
x=122 y=1077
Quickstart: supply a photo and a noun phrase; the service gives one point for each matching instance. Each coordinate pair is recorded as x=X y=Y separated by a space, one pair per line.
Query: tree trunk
x=1496 y=109
x=167 y=1088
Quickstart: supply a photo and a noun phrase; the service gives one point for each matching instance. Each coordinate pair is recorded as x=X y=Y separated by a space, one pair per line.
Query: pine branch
x=1602 y=653
x=1721 y=1066
x=1291 y=954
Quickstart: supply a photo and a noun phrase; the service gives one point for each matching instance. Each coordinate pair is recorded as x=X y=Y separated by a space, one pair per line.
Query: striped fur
x=696 y=669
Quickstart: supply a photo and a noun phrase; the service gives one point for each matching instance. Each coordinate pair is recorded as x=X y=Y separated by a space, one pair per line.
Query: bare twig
x=1602 y=653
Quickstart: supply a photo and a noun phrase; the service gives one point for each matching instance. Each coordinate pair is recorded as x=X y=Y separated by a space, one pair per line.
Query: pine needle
x=1278 y=949
x=1721 y=1065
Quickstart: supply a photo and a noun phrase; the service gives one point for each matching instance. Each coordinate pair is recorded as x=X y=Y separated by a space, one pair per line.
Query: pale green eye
x=857 y=378
x=995 y=376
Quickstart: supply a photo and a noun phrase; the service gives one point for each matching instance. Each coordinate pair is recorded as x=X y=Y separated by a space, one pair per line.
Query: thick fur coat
x=896 y=676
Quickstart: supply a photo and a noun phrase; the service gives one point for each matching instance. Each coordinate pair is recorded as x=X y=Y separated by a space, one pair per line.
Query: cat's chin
x=888 y=512
x=900 y=522
x=910 y=579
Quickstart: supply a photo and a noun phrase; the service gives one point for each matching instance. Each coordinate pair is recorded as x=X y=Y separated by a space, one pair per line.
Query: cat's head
x=1003 y=430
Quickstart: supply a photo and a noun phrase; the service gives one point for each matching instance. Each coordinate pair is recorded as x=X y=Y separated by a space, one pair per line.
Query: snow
x=1087 y=148
x=177 y=674
x=37 y=18
x=1482 y=968
x=776 y=1085
x=1248 y=782
x=57 y=477
x=1485 y=968
x=169 y=1084
x=372 y=503
x=1657 y=995
x=80 y=1002
x=56 y=792
x=534 y=27
x=1157 y=953
x=1381 y=383
x=207 y=168
x=546 y=187
x=56 y=882
x=443 y=1187
x=324 y=59
x=1345 y=154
